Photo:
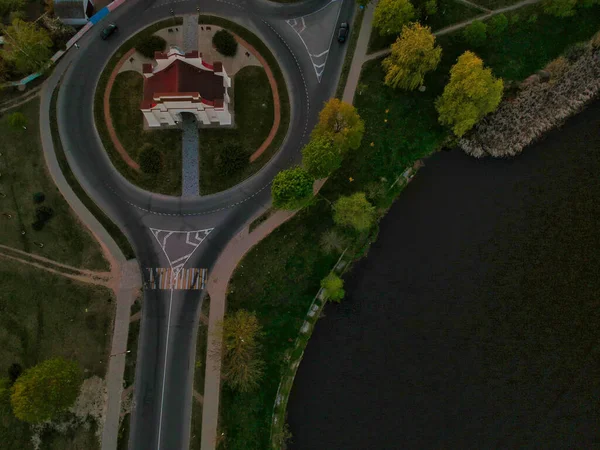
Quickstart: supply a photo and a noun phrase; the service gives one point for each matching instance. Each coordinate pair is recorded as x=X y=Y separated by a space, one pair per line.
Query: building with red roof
x=184 y=83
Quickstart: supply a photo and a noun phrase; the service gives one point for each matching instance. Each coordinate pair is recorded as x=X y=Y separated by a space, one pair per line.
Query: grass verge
x=254 y=115
x=199 y=375
x=108 y=224
x=354 y=33
x=132 y=175
x=36 y=325
x=23 y=173
x=278 y=278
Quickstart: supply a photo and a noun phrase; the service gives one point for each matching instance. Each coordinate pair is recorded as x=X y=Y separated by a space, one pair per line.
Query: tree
x=150 y=159
x=7 y=6
x=391 y=15
x=476 y=33
x=559 y=8
x=151 y=44
x=413 y=55
x=431 y=7
x=341 y=122
x=332 y=241
x=242 y=366
x=471 y=93
x=45 y=390
x=225 y=43
x=292 y=188
x=333 y=287
x=17 y=120
x=27 y=46
x=589 y=3
x=498 y=24
x=320 y=157
x=354 y=211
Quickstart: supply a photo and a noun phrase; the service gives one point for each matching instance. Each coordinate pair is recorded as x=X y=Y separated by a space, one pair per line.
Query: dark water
x=474 y=321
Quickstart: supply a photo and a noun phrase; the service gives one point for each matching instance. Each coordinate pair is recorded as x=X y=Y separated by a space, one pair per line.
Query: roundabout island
x=174 y=232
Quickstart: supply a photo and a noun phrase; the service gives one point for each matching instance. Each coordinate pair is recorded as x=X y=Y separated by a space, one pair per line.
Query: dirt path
x=20 y=100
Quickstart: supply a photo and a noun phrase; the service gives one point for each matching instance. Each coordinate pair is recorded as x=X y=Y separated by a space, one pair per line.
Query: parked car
x=343 y=32
x=108 y=31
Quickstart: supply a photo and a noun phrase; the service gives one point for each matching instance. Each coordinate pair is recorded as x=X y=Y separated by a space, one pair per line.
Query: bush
x=559 y=8
x=37 y=226
x=332 y=242
x=12 y=6
x=475 y=33
x=292 y=188
x=44 y=213
x=225 y=43
x=431 y=7
x=532 y=18
x=231 y=160
x=354 y=211
x=17 y=120
x=39 y=197
x=498 y=24
x=151 y=44
x=150 y=159
x=575 y=51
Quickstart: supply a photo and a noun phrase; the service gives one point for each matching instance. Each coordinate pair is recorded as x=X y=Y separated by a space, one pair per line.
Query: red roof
x=180 y=78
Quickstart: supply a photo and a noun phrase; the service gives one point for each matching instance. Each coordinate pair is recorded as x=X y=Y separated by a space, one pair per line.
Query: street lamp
x=120 y=353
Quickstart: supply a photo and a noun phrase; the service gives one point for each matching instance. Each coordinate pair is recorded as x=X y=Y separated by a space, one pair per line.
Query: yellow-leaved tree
x=413 y=55
x=340 y=122
x=471 y=93
x=391 y=15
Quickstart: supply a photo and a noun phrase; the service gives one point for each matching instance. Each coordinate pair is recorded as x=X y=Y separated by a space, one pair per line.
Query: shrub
x=558 y=67
x=231 y=160
x=37 y=226
x=225 y=43
x=292 y=188
x=43 y=213
x=431 y=7
x=332 y=242
x=475 y=33
x=150 y=159
x=515 y=18
x=559 y=8
x=12 y=6
x=532 y=18
x=498 y=24
x=151 y=44
x=17 y=120
x=333 y=287
x=39 y=197
x=575 y=51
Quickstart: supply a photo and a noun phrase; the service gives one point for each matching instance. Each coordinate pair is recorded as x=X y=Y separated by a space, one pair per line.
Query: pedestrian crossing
x=184 y=279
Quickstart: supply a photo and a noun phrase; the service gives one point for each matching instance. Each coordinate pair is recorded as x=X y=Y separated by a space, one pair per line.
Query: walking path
x=190 y=33
x=190 y=162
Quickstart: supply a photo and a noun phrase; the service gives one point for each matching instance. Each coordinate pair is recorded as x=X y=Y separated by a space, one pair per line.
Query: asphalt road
x=163 y=387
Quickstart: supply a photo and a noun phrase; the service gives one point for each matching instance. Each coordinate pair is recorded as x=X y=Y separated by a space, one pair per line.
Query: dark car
x=343 y=32
x=108 y=31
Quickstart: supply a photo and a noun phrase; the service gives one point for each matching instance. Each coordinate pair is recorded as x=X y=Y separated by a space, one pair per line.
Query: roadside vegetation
x=199 y=375
x=35 y=329
x=278 y=279
x=34 y=217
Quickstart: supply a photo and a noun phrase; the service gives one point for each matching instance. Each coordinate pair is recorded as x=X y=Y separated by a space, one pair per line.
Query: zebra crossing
x=183 y=279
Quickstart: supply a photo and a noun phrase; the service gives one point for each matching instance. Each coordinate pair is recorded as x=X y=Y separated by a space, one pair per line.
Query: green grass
x=449 y=13
x=354 y=32
x=107 y=223
x=44 y=316
x=254 y=115
x=24 y=173
x=171 y=187
x=278 y=278
x=128 y=120
x=199 y=375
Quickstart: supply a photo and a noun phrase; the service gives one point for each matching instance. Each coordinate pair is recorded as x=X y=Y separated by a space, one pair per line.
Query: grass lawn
x=128 y=120
x=449 y=12
x=254 y=115
x=23 y=173
x=279 y=277
x=43 y=316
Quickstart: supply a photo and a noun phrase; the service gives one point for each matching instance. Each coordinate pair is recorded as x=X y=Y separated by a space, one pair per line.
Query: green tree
x=340 y=121
x=413 y=55
x=391 y=15
x=333 y=287
x=589 y=3
x=559 y=8
x=7 y=6
x=225 y=43
x=150 y=44
x=27 y=46
x=292 y=188
x=471 y=93
x=475 y=33
x=498 y=24
x=17 y=120
x=242 y=365
x=46 y=390
x=150 y=159
x=354 y=211
x=431 y=7
x=320 y=157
